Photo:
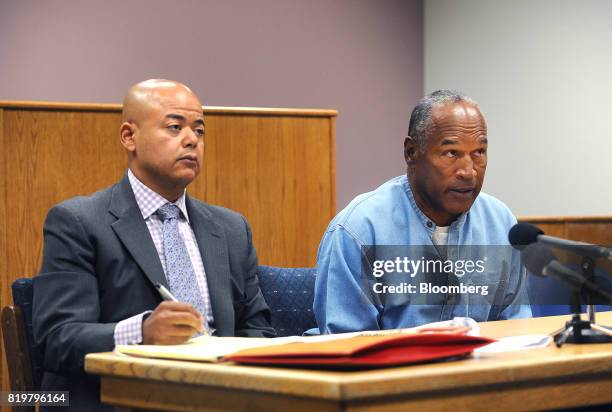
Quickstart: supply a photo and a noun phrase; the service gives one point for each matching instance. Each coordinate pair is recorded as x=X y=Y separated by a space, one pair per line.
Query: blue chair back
x=23 y=293
x=289 y=292
x=550 y=296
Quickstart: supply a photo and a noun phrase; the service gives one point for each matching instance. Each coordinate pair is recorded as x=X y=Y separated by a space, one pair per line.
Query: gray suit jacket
x=100 y=266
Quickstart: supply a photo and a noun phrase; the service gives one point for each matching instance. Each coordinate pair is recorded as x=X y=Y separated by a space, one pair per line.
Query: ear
x=127 y=131
x=410 y=151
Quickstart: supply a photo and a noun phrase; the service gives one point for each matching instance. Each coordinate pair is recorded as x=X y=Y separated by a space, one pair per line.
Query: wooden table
x=533 y=379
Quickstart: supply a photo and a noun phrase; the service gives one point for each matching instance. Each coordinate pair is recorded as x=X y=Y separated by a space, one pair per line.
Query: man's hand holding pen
x=172 y=322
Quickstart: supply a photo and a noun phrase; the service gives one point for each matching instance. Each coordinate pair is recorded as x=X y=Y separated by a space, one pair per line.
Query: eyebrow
x=447 y=141
x=183 y=119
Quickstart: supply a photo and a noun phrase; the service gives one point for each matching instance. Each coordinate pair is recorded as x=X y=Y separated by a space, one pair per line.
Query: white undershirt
x=440 y=235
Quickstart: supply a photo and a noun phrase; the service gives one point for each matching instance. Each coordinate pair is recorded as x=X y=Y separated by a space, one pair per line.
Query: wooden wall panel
x=287 y=186
x=275 y=166
x=599 y=233
x=590 y=229
x=53 y=156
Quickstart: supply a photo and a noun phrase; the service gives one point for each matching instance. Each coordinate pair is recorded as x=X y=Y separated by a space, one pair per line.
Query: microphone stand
x=578 y=330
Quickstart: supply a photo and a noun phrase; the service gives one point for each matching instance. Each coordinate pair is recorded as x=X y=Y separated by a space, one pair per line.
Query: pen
x=167 y=296
x=165 y=293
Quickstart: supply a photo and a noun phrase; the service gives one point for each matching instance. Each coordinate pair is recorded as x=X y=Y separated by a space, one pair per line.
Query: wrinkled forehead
x=457 y=115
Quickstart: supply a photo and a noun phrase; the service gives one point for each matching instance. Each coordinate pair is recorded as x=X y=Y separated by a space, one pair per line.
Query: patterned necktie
x=179 y=271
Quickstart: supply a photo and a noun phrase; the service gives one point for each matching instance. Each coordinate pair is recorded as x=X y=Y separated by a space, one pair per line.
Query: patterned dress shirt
x=129 y=331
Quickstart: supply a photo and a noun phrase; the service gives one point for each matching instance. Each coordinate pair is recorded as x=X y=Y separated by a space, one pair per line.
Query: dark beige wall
x=362 y=57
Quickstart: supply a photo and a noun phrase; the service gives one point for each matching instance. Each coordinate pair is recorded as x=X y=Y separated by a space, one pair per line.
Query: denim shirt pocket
x=487 y=300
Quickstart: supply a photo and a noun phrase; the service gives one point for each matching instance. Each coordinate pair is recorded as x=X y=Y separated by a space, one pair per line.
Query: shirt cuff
x=129 y=331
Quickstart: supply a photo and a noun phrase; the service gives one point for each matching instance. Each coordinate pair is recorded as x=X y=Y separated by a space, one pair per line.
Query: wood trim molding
x=565 y=219
x=112 y=107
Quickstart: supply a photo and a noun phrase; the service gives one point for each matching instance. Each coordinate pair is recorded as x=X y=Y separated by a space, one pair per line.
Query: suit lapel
x=132 y=230
x=213 y=249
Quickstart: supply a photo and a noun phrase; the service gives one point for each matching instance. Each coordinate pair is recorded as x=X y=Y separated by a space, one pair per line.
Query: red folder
x=364 y=351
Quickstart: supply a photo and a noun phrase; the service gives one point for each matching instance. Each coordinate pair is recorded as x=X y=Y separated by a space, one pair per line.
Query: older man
x=393 y=257
x=105 y=253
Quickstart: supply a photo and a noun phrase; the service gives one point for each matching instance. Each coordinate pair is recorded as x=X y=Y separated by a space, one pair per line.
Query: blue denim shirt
x=390 y=216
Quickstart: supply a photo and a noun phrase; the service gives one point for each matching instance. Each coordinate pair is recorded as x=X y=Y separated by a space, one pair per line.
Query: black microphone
x=523 y=234
x=541 y=261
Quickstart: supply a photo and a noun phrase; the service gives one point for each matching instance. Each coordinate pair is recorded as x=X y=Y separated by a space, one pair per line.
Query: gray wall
x=362 y=57
x=542 y=72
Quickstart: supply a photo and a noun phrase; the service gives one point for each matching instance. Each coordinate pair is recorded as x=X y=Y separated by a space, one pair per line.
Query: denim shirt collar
x=428 y=224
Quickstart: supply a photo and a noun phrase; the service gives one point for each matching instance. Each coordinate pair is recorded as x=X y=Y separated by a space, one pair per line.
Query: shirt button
x=429 y=224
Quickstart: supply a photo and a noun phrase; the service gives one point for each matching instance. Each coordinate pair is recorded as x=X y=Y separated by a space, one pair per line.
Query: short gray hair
x=420 y=119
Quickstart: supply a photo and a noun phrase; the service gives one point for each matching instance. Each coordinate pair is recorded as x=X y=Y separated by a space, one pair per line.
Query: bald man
x=104 y=254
